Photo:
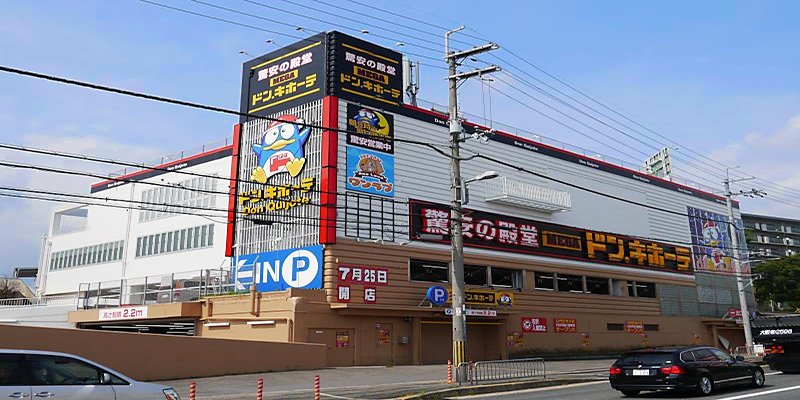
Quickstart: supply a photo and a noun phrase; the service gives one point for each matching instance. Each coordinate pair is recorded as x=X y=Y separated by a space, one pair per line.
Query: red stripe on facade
x=162 y=166
x=231 y=232
x=328 y=176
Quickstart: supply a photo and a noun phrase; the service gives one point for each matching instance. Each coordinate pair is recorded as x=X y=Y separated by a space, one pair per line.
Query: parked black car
x=698 y=369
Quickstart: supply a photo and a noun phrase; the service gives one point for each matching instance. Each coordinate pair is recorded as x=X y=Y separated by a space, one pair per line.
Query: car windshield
x=646 y=358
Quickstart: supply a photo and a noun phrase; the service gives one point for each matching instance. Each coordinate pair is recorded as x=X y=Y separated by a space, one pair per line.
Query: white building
x=169 y=226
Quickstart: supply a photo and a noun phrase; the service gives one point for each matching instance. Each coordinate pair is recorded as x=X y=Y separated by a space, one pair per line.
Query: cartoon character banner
x=370 y=172
x=711 y=239
x=370 y=128
x=280 y=149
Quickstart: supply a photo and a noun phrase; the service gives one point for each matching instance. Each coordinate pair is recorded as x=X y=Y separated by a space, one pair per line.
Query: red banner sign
x=534 y=325
x=634 y=326
x=565 y=325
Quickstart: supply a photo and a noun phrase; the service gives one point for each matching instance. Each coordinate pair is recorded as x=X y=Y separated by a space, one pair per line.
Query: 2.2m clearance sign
x=431 y=222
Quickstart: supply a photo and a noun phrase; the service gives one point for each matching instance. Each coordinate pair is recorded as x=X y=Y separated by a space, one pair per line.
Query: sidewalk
x=355 y=382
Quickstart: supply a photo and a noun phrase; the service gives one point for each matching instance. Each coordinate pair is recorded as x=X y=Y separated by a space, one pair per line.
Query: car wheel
x=758 y=378
x=705 y=385
x=630 y=393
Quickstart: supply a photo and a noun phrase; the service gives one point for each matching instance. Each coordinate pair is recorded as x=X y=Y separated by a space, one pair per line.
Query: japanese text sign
x=365 y=72
x=357 y=274
x=565 y=325
x=534 y=325
x=634 y=326
x=284 y=78
x=370 y=128
x=370 y=172
x=276 y=198
x=431 y=222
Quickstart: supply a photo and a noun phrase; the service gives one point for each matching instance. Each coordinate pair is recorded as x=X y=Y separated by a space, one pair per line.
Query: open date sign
x=361 y=275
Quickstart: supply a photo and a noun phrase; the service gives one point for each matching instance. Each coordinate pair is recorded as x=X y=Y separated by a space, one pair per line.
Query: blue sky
x=719 y=77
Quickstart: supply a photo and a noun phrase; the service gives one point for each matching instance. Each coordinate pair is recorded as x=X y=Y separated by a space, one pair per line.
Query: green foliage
x=779 y=281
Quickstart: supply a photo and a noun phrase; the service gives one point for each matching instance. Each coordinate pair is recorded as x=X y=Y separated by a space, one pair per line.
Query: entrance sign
x=280 y=270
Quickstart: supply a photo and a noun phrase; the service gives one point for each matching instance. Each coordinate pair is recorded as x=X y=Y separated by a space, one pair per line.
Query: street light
x=482 y=177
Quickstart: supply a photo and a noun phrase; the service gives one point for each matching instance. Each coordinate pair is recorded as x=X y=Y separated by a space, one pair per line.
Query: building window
x=651 y=327
x=166 y=202
x=87 y=255
x=570 y=283
x=428 y=271
x=172 y=241
x=544 y=280
x=506 y=277
x=641 y=289
x=475 y=275
x=615 y=327
x=597 y=285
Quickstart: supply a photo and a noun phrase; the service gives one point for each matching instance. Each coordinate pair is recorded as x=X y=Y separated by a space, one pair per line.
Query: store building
x=338 y=229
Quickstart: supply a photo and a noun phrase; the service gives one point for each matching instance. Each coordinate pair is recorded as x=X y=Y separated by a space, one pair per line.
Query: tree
x=778 y=281
x=8 y=288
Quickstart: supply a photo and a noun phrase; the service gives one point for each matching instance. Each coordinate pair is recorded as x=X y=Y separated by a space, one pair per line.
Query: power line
x=233 y=112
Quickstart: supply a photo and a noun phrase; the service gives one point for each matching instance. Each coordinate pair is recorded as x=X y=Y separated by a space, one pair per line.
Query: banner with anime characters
x=713 y=249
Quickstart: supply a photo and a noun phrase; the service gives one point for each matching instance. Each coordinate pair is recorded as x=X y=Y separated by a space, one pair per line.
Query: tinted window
x=615 y=327
x=505 y=277
x=687 y=356
x=12 y=370
x=544 y=280
x=704 y=355
x=651 y=327
x=645 y=289
x=722 y=355
x=53 y=370
x=428 y=271
x=647 y=358
x=475 y=275
x=597 y=285
x=570 y=283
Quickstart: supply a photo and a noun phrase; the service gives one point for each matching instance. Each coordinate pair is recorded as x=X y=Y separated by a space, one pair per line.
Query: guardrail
x=39 y=301
x=501 y=370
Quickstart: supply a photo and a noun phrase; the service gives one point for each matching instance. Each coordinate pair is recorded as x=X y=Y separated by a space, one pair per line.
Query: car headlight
x=171 y=394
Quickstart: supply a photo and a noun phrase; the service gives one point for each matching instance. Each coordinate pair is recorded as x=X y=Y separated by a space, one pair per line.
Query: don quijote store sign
x=284 y=78
x=431 y=222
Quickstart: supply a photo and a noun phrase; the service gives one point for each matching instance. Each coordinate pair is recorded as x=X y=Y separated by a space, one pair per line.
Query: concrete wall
x=51 y=316
x=162 y=357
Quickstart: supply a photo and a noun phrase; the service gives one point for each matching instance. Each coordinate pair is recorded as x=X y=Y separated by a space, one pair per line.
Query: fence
x=168 y=288
x=38 y=301
x=487 y=371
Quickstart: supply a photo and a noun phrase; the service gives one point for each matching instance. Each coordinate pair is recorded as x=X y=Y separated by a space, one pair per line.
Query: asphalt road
x=778 y=387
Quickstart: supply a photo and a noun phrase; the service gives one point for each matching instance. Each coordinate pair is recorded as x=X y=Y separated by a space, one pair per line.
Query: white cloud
x=30 y=218
x=770 y=156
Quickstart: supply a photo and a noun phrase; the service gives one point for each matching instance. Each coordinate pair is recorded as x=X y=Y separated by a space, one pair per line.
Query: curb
x=494 y=388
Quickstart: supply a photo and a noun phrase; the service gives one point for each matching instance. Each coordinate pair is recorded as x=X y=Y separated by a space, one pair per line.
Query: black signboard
x=431 y=222
x=370 y=128
x=365 y=72
x=293 y=75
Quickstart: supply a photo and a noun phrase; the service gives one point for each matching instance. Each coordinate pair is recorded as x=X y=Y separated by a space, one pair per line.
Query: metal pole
x=456 y=238
x=748 y=334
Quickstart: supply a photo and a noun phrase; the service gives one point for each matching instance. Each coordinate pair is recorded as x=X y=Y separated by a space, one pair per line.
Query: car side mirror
x=739 y=358
x=105 y=378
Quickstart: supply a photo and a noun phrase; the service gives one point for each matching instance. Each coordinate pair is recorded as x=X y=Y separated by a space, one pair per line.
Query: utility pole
x=457 y=240
x=736 y=261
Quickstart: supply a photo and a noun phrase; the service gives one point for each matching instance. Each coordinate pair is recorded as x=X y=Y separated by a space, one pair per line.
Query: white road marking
x=773 y=373
x=745 y=396
x=541 y=389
